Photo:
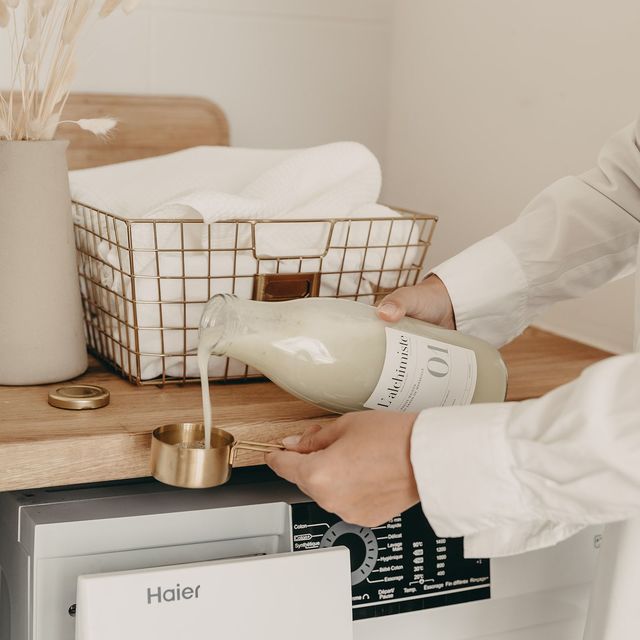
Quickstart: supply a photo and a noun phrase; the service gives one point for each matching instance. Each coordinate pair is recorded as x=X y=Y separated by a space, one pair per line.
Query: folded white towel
x=213 y=184
x=218 y=183
x=337 y=180
x=137 y=188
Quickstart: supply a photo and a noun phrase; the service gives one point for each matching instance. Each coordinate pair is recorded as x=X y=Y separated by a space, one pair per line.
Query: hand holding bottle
x=357 y=466
x=428 y=301
x=341 y=355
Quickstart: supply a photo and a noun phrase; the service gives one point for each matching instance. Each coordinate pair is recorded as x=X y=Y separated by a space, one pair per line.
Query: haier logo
x=159 y=595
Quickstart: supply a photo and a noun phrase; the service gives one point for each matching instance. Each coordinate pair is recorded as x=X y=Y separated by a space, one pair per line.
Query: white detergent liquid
x=340 y=356
x=204 y=352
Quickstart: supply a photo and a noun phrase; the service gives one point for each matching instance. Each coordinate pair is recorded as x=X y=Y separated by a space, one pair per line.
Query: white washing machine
x=70 y=557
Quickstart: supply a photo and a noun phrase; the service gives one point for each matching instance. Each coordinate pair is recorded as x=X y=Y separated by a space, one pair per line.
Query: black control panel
x=397 y=567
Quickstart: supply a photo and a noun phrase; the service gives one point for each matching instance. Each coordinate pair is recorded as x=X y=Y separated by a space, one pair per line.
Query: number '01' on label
x=420 y=372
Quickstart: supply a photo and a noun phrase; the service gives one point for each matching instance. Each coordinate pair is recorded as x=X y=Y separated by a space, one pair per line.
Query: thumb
x=401 y=302
x=315 y=438
x=287 y=464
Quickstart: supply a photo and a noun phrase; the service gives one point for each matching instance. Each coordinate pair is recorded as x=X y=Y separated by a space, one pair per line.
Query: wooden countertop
x=43 y=446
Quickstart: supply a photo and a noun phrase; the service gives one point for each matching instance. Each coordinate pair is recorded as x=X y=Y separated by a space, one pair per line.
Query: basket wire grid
x=145 y=282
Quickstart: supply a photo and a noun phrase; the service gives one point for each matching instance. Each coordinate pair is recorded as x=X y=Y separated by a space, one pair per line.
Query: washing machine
x=257 y=558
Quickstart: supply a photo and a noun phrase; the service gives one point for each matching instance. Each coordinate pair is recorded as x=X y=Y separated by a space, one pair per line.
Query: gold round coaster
x=79 y=396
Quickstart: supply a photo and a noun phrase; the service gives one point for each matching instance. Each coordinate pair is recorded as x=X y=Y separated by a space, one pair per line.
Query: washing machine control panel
x=397 y=567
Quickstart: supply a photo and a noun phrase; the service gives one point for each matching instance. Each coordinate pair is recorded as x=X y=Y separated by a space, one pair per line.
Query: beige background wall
x=288 y=73
x=492 y=100
x=472 y=105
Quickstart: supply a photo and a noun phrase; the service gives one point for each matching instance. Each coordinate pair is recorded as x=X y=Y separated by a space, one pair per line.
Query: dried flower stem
x=44 y=36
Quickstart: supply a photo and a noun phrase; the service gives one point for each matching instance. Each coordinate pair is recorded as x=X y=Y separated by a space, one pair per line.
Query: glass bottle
x=339 y=355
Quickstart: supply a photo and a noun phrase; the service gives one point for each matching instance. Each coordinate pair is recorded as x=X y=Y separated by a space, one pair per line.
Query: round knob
x=362 y=545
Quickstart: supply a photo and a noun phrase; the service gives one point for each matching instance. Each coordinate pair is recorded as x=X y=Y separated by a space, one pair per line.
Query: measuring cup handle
x=264 y=447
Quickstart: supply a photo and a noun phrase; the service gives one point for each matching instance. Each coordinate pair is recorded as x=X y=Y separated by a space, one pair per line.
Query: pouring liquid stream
x=204 y=352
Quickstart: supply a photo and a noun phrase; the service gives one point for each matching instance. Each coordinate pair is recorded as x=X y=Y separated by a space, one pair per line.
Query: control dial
x=362 y=545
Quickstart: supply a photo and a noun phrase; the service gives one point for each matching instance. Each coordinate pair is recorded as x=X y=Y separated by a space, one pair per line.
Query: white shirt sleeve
x=518 y=476
x=577 y=235
x=521 y=475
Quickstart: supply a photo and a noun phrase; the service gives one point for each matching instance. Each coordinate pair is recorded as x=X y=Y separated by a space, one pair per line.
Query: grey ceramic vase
x=41 y=328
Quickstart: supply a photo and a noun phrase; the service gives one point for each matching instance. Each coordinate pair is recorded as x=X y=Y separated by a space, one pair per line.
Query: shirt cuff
x=517 y=538
x=487 y=287
x=463 y=468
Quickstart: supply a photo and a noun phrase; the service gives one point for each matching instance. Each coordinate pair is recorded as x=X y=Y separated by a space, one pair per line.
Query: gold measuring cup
x=176 y=458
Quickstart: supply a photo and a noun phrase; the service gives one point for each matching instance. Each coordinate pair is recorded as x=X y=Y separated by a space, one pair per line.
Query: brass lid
x=79 y=396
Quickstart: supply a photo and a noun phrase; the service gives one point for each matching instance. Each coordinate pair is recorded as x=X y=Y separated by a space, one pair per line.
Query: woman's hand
x=357 y=466
x=429 y=301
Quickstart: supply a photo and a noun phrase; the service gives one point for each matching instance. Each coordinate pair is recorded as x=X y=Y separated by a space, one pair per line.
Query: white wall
x=473 y=105
x=492 y=100
x=287 y=72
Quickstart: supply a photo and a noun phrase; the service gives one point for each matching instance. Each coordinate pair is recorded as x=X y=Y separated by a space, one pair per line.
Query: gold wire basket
x=145 y=282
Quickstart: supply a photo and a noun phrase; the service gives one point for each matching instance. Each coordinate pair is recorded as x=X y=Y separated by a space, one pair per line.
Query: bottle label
x=420 y=372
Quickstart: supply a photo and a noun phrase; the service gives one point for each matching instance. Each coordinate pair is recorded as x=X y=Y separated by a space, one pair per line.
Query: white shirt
x=517 y=476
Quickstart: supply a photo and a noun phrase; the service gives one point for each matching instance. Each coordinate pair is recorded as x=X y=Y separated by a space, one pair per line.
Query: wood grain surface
x=147 y=126
x=539 y=361
x=44 y=446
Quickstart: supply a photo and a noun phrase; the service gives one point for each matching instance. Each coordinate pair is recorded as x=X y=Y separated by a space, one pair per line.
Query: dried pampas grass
x=4 y=14
x=75 y=20
x=44 y=36
x=98 y=126
x=109 y=7
x=129 y=5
